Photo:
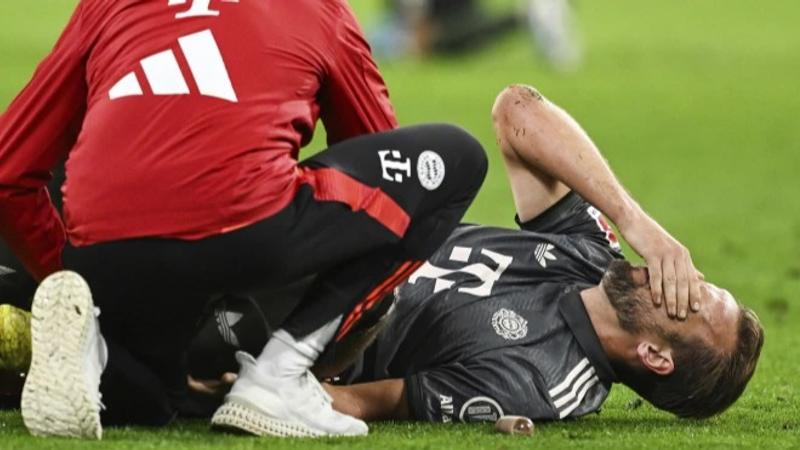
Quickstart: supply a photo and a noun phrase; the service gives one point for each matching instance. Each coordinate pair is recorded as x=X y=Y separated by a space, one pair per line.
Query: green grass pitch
x=696 y=105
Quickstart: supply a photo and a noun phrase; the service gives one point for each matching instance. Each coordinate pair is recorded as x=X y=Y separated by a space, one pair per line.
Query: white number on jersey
x=483 y=272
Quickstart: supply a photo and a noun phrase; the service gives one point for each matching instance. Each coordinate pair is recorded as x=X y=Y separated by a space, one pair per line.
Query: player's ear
x=655 y=358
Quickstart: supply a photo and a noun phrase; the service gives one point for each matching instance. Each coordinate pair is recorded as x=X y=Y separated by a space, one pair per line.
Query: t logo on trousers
x=393 y=169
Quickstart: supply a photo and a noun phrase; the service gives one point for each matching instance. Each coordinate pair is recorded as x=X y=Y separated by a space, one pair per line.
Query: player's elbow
x=515 y=111
x=514 y=100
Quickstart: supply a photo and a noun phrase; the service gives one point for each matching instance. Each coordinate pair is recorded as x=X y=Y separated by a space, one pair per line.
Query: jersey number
x=483 y=272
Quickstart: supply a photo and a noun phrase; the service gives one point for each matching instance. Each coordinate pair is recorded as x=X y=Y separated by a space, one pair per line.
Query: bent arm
x=354 y=99
x=38 y=129
x=379 y=400
x=547 y=141
x=547 y=153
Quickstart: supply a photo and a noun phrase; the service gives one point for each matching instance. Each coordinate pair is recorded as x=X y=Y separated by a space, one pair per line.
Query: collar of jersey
x=574 y=313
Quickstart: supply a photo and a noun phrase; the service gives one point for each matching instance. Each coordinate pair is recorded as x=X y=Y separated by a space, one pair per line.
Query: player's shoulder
x=512 y=365
x=577 y=389
x=90 y=8
x=329 y=12
x=475 y=231
x=326 y=23
x=108 y=5
x=497 y=237
x=563 y=380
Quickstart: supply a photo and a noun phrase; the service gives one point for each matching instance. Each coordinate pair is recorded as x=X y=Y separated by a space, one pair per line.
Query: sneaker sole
x=56 y=399
x=238 y=417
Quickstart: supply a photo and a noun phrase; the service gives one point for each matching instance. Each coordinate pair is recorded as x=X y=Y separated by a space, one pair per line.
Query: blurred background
x=695 y=103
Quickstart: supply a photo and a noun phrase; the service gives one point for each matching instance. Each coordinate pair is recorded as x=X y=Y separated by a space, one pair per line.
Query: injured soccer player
x=539 y=321
x=543 y=320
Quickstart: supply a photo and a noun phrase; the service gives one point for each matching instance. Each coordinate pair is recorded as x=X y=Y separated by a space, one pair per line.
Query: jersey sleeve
x=576 y=219
x=476 y=391
x=354 y=99
x=38 y=129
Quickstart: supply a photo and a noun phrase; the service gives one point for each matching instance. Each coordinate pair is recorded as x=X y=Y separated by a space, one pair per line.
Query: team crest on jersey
x=509 y=325
x=430 y=170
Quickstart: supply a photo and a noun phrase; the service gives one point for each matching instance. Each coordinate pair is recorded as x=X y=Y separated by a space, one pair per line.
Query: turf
x=695 y=104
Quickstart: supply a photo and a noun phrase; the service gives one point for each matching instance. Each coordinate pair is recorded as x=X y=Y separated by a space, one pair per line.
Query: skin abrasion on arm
x=543 y=137
x=547 y=153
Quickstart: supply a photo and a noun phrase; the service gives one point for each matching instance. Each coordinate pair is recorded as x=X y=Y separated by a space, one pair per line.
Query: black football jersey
x=493 y=323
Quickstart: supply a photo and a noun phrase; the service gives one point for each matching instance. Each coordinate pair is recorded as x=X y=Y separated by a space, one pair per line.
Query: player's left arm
x=354 y=99
x=446 y=394
x=378 y=400
x=547 y=153
x=37 y=130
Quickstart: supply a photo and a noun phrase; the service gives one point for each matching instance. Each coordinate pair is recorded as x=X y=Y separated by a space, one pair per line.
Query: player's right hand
x=674 y=280
x=212 y=388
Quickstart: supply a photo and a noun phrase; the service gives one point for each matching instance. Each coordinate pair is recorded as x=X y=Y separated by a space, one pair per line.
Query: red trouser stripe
x=335 y=186
x=399 y=276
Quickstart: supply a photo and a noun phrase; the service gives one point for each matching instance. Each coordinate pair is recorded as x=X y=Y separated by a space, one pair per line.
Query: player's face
x=629 y=292
x=716 y=322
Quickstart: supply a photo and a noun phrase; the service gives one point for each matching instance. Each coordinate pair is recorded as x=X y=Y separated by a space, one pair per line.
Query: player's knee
x=469 y=155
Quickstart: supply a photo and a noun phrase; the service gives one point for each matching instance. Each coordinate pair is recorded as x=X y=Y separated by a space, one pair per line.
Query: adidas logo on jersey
x=568 y=395
x=543 y=254
x=165 y=77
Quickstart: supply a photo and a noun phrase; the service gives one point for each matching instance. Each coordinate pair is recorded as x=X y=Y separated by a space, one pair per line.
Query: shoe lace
x=318 y=392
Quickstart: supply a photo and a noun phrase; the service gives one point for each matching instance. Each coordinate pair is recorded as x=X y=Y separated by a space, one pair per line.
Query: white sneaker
x=61 y=396
x=264 y=404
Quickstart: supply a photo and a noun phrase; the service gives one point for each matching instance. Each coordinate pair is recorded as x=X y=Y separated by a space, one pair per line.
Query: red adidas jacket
x=179 y=118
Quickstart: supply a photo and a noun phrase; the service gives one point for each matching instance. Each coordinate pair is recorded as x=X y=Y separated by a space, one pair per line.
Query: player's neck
x=616 y=342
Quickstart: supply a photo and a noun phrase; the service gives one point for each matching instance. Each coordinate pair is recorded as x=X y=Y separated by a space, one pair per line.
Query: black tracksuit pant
x=392 y=198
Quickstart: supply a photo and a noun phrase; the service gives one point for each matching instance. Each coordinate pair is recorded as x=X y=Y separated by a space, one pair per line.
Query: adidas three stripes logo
x=165 y=77
x=568 y=395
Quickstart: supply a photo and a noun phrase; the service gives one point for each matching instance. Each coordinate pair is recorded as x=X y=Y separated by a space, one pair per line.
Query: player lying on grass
x=542 y=321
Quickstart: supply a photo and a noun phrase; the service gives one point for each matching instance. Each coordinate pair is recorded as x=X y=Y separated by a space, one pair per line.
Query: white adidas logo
x=543 y=254
x=165 y=77
x=225 y=323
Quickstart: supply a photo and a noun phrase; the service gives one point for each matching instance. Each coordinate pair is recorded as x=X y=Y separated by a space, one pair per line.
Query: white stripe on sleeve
x=565 y=412
x=570 y=376
x=575 y=388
